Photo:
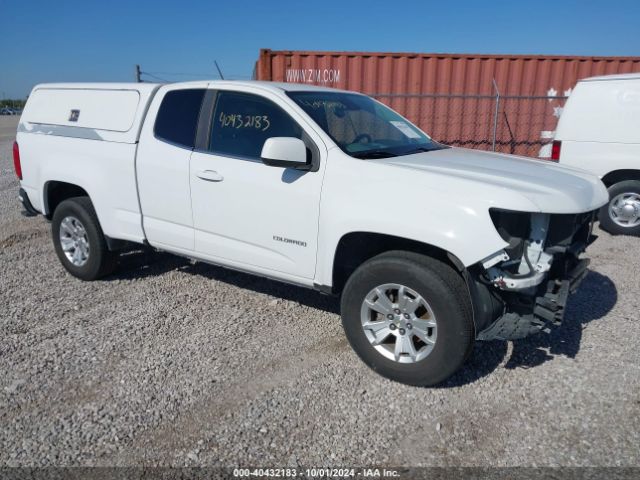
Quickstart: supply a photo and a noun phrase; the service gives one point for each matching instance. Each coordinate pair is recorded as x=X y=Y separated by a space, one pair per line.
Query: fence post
x=495 y=115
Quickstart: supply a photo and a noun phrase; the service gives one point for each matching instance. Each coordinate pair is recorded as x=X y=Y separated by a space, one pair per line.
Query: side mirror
x=288 y=152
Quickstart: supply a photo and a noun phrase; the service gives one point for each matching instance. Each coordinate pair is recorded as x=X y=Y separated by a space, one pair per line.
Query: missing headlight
x=513 y=227
x=528 y=262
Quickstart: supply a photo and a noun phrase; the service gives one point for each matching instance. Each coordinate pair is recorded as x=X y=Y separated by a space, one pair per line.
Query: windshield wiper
x=419 y=150
x=375 y=154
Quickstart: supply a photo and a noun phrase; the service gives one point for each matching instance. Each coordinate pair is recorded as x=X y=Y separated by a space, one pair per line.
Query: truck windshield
x=362 y=127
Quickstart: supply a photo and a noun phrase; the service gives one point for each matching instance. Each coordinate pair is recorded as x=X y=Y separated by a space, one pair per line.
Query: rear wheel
x=408 y=317
x=622 y=214
x=79 y=241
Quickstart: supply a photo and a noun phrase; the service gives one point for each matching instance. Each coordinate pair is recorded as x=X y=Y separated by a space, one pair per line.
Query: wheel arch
x=617 y=176
x=56 y=191
x=355 y=248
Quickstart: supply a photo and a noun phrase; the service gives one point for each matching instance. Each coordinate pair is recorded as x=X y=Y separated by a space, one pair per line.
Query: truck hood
x=551 y=187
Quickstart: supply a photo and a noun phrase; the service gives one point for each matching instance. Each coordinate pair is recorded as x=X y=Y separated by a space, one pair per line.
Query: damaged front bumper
x=548 y=309
x=524 y=289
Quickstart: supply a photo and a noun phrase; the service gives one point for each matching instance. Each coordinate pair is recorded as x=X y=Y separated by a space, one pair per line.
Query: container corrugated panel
x=452 y=97
x=378 y=73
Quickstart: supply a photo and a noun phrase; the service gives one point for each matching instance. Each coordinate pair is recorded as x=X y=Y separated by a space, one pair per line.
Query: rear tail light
x=16 y=160
x=555 y=150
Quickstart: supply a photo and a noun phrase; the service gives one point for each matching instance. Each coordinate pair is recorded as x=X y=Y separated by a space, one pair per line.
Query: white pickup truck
x=430 y=247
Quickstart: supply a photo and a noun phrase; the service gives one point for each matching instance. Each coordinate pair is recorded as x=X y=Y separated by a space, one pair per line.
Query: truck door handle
x=210 y=176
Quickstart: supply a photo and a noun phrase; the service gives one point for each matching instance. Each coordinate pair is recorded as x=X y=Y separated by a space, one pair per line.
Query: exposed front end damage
x=523 y=289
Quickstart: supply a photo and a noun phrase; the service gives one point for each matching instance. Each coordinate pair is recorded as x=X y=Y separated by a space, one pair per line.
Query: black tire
x=446 y=293
x=606 y=222
x=100 y=261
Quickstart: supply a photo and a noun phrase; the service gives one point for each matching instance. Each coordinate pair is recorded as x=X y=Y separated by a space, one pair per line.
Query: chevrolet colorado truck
x=429 y=247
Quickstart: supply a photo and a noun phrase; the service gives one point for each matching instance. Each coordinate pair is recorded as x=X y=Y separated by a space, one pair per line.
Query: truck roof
x=620 y=76
x=277 y=86
x=141 y=87
x=148 y=86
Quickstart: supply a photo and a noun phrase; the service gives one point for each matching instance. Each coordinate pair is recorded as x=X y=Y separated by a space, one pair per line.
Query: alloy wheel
x=74 y=241
x=399 y=323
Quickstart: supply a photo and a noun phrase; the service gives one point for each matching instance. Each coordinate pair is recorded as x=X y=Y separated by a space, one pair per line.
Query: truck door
x=246 y=214
x=162 y=167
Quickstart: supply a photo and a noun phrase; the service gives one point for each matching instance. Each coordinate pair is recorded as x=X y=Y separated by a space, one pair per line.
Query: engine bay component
x=530 y=268
x=535 y=273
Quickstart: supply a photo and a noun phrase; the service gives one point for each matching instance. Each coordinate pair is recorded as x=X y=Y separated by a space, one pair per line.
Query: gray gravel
x=171 y=363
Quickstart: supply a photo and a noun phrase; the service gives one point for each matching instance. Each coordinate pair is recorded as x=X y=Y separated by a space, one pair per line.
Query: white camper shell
x=110 y=112
x=64 y=122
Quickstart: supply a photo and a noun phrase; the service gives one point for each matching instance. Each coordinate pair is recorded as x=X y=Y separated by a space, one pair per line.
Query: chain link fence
x=521 y=125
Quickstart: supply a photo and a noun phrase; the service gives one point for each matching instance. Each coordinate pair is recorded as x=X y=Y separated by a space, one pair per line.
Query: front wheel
x=79 y=241
x=408 y=317
x=622 y=214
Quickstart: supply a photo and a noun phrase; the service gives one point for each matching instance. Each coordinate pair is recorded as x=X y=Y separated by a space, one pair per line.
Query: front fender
x=366 y=198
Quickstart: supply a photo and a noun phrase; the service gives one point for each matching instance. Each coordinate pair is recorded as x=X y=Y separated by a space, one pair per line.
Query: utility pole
x=138 y=74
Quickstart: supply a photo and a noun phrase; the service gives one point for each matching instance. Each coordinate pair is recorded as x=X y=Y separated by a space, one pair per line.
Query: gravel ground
x=173 y=363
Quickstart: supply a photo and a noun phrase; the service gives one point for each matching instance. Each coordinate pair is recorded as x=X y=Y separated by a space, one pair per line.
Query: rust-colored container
x=452 y=97
x=383 y=73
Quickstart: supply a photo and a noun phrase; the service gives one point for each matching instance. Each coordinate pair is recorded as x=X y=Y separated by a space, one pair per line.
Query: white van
x=599 y=131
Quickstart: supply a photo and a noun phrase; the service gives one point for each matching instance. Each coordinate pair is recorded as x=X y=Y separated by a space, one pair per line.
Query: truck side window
x=243 y=122
x=177 y=118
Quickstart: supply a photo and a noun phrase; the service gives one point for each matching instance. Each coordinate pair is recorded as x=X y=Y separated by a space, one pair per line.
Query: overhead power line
x=182 y=74
x=154 y=76
x=162 y=75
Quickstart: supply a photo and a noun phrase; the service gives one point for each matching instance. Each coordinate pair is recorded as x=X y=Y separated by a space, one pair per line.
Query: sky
x=70 y=40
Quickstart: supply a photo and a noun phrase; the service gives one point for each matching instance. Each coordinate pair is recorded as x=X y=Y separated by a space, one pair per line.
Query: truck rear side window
x=177 y=119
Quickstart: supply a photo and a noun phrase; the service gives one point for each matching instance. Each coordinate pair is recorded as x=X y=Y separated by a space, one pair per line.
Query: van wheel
x=408 y=317
x=622 y=214
x=79 y=241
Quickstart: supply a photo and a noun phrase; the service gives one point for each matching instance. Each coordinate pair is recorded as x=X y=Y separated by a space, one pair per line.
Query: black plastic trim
x=26 y=203
x=115 y=244
x=548 y=309
x=487 y=306
x=286 y=164
x=203 y=131
x=324 y=289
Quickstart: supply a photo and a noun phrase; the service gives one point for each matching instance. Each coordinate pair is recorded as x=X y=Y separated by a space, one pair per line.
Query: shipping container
x=507 y=102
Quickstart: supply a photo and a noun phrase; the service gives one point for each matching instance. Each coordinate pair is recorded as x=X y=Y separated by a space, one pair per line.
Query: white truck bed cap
x=97 y=111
